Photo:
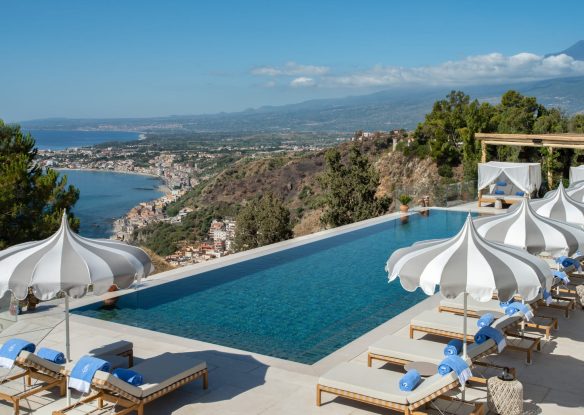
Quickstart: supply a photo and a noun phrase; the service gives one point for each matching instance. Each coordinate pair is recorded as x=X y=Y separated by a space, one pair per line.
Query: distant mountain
x=384 y=110
x=576 y=51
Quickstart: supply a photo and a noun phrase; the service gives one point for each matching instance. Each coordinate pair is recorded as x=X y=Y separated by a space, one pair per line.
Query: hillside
x=381 y=111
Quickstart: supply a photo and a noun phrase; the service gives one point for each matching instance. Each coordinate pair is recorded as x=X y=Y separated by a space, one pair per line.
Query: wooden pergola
x=551 y=141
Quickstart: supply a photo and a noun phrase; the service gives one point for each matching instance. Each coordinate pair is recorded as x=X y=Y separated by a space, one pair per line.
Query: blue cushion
x=520 y=193
x=499 y=192
x=502 y=184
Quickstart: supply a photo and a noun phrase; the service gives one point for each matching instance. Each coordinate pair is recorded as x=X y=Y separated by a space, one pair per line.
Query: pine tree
x=32 y=200
x=264 y=220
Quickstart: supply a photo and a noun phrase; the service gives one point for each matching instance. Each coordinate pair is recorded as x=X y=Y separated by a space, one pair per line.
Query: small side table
x=424 y=368
x=505 y=397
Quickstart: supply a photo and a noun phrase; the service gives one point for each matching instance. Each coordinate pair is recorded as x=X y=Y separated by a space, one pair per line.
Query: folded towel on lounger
x=485 y=320
x=517 y=306
x=410 y=380
x=11 y=349
x=567 y=262
x=505 y=304
x=491 y=333
x=453 y=348
x=51 y=355
x=547 y=297
x=455 y=363
x=562 y=276
x=128 y=375
x=83 y=372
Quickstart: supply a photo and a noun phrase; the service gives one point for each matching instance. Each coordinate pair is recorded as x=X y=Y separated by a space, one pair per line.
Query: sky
x=154 y=58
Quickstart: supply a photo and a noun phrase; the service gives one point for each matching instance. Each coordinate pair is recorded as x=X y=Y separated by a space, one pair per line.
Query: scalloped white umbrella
x=560 y=206
x=525 y=229
x=469 y=264
x=70 y=264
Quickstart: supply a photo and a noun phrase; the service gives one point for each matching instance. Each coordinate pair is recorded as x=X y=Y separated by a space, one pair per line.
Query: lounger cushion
x=409 y=349
x=506 y=322
x=445 y=322
x=117 y=348
x=475 y=350
x=158 y=372
x=26 y=358
x=379 y=383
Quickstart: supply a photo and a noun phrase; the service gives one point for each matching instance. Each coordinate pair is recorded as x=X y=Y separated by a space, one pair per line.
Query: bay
x=106 y=196
x=59 y=140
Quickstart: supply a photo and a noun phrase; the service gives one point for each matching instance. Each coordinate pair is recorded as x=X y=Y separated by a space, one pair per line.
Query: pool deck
x=247 y=383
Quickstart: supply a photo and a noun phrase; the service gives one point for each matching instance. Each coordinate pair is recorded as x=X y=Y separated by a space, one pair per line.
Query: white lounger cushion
x=158 y=372
x=454 y=323
x=409 y=349
x=421 y=350
x=380 y=384
x=26 y=358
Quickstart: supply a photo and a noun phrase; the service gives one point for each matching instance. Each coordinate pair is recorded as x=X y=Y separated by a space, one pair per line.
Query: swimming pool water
x=299 y=304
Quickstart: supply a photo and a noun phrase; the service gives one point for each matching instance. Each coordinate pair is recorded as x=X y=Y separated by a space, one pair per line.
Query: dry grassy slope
x=286 y=176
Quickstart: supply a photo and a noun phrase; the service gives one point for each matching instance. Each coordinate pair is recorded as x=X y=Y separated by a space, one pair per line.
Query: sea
x=106 y=196
x=103 y=196
x=59 y=140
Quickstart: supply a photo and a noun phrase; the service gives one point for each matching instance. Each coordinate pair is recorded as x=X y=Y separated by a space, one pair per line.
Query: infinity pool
x=299 y=304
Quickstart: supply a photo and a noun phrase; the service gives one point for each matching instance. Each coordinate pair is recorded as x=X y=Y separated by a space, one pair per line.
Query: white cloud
x=302 y=81
x=480 y=69
x=290 y=69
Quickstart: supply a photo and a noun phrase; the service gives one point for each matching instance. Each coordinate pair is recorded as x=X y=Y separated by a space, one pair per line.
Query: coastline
x=163 y=187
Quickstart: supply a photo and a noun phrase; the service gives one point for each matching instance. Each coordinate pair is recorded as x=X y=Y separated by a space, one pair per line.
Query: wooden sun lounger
x=380 y=388
x=492 y=198
x=450 y=326
x=538 y=322
x=399 y=350
x=37 y=375
x=162 y=375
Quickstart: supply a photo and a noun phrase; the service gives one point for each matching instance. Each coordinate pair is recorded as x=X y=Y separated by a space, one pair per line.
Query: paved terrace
x=246 y=383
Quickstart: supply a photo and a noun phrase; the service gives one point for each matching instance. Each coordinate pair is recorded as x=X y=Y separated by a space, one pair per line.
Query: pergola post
x=483 y=151
x=550 y=176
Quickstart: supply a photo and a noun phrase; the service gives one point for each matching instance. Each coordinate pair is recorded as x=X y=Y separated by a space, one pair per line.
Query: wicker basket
x=505 y=397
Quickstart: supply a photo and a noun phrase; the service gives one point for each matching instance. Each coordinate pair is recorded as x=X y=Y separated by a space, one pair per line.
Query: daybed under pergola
x=507 y=182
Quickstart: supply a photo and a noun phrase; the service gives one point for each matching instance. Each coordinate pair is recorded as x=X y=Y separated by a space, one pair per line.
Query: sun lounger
x=456 y=306
x=401 y=350
x=162 y=375
x=380 y=387
x=451 y=326
x=37 y=375
x=47 y=375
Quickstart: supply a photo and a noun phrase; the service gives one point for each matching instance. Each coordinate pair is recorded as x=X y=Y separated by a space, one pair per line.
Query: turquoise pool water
x=299 y=304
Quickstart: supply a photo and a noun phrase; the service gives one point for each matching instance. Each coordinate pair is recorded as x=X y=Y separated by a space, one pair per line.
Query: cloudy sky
x=140 y=58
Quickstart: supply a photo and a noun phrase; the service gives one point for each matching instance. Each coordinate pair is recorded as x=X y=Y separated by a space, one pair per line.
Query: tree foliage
x=451 y=125
x=32 y=200
x=349 y=189
x=263 y=221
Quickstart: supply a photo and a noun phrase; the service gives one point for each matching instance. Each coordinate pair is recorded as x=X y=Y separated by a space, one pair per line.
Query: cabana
x=576 y=174
x=507 y=182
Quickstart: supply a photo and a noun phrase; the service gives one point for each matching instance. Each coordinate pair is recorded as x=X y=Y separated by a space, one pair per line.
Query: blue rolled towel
x=567 y=262
x=11 y=349
x=520 y=193
x=505 y=304
x=489 y=332
x=453 y=348
x=456 y=364
x=84 y=370
x=485 y=320
x=410 y=381
x=562 y=276
x=130 y=376
x=517 y=306
x=499 y=192
x=502 y=184
x=51 y=355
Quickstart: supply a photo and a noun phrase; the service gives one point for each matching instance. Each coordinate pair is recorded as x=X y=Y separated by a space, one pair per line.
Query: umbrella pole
x=464 y=331
x=67 y=343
